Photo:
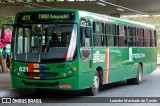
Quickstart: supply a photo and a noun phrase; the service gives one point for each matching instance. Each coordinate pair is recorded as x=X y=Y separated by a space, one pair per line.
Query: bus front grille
x=45 y=75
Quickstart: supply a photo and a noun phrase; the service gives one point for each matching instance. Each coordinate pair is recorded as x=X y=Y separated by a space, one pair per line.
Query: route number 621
x=23 y=69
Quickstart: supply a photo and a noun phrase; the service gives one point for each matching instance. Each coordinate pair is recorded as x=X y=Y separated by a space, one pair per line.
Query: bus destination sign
x=34 y=17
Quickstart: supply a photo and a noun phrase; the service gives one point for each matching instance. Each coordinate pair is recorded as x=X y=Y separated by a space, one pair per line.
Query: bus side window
x=140 y=37
x=98 y=34
x=82 y=36
x=131 y=37
x=153 y=38
x=110 y=35
x=147 y=37
x=85 y=37
x=122 y=36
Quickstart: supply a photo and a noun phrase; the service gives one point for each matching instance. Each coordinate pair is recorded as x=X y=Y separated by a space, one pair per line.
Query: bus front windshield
x=45 y=42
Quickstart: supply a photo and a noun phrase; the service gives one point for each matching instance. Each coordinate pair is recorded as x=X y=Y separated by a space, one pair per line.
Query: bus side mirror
x=2 y=33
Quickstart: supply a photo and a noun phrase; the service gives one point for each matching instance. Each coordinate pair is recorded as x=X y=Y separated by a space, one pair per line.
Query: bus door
x=86 y=72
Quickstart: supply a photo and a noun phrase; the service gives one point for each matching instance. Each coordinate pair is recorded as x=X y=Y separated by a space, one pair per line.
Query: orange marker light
x=75 y=68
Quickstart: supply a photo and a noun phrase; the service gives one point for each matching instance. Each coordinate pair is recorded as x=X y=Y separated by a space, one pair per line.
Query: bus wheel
x=138 y=79
x=95 y=87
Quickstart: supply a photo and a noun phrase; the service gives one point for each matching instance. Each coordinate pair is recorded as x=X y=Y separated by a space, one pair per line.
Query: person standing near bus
x=4 y=57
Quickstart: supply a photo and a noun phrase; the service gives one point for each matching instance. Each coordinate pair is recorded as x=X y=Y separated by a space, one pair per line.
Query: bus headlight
x=19 y=74
x=64 y=74
x=69 y=71
x=75 y=68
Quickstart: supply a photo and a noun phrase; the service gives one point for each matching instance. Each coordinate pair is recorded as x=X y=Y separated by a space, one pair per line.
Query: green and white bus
x=66 y=49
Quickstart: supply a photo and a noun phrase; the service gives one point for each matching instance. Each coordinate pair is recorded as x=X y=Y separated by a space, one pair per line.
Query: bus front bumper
x=70 y=83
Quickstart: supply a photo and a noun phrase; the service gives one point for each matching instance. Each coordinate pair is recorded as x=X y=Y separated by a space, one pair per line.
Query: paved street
x=150 y=87
x=5 y=83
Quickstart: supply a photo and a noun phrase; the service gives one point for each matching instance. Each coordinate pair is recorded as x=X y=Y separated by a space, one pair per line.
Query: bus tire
x=138 y=79
x=95 y=87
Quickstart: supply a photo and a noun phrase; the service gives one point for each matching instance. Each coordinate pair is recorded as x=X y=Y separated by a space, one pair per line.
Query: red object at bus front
x=65 y=86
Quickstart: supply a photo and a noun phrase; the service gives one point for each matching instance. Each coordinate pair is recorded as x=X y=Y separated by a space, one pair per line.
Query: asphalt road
x=150 y=87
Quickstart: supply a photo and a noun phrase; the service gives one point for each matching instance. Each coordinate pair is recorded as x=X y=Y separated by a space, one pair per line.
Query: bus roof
x=96 y=16
x=47 y=10
x=116 y=20
x=131 y=23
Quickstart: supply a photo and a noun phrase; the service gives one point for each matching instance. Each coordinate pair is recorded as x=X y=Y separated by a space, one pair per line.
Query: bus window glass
x=23 y=40
x=122 y=36
x=153 y=38
x=147 y=37
x=140 y=37
x=20 y=43
x=98 y=34
x=111 y=35
x=131 y=37
x=48 y=42
x=85 y=36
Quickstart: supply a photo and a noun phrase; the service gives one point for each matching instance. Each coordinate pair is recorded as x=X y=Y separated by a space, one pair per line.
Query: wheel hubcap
x=140 y=74
x=96 y=82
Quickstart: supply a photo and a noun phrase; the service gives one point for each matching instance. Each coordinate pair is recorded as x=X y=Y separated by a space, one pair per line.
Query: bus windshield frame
x=43 y=42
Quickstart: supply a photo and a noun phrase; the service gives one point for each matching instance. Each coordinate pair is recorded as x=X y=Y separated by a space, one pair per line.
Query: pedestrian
x=4 y=57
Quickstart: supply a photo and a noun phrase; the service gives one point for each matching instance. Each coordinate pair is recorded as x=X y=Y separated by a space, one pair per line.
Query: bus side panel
x=100 y=62
x=121 y=66
x=148 y=57
x=124 y=62
x=86 y=73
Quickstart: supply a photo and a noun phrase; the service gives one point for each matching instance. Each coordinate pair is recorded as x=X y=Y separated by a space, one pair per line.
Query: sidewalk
x=5 y=82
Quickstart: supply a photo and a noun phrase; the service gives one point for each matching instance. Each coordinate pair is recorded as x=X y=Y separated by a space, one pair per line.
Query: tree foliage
x=6 y=20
